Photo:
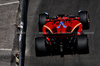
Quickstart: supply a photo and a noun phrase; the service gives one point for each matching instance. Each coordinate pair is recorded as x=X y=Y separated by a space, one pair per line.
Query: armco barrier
x=22 y=30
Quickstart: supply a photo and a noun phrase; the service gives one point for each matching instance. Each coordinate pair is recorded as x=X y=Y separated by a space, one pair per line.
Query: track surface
x=54 y=7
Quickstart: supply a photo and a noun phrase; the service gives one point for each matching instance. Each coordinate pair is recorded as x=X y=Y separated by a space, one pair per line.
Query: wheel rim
x=88 y=18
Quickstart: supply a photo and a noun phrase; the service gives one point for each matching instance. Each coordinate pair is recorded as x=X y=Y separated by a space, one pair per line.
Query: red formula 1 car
x=62 y=34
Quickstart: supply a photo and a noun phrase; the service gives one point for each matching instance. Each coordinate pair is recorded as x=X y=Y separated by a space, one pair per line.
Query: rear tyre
x=82 y=44
x=42 y=18
x=84 y=19
x=40 y=47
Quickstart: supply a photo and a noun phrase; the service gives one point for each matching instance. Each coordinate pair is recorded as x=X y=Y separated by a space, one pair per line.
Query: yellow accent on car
x=48 y=28
x=75 y=27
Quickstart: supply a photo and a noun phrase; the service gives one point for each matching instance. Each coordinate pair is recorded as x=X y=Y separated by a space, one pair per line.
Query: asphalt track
x=54 y=7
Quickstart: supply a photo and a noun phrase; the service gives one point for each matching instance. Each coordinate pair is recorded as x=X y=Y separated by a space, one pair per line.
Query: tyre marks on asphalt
x=32 y=28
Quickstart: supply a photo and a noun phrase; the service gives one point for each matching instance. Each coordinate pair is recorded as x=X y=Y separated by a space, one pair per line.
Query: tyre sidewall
x=40 y=46
x=84 y=19
x=82 y=44
x=42 y=18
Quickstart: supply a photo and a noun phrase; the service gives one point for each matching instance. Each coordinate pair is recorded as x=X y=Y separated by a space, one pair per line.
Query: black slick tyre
x=40 y=47
x=84 y=19
x=42 y=18
x=82 y=44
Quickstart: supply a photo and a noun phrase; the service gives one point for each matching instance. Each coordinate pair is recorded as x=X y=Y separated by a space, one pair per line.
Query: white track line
x=9 y=3
x=5 y=49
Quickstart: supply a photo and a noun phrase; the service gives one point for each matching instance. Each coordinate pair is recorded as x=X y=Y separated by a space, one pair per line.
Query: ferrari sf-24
x=62 y=34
